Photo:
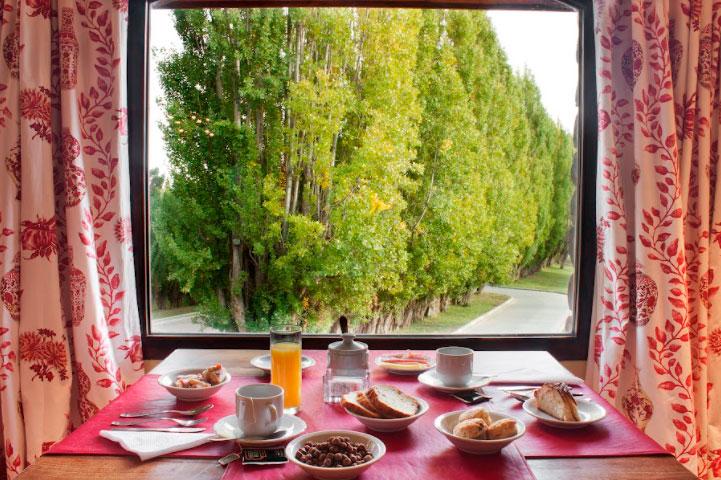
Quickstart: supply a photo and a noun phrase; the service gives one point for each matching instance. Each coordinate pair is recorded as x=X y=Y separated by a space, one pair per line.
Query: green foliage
x=327 y=161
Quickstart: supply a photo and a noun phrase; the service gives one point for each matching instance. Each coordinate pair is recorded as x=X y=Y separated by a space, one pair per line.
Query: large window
x=411 y=169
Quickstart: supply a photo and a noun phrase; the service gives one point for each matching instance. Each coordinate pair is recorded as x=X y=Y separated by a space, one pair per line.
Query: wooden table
x=79 y=467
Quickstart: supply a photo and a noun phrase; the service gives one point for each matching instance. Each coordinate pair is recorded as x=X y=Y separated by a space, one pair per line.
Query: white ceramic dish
x=263 y=362
x=445 y=423
x=227 y=427
x=431 y=379
x=375 y=447
x=190 y=394
x=589 y=411
x=392 y=424
x=400 y=369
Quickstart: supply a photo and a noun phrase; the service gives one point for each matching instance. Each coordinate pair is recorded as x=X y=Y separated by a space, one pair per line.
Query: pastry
x=479 y=413
x=473 y=428
x=556 y=400
x=503 y=428
x=390 y=402
x=214 y=375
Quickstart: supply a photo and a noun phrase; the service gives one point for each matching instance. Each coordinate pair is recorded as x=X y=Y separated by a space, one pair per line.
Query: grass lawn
x=456 y=316
x=549 y=279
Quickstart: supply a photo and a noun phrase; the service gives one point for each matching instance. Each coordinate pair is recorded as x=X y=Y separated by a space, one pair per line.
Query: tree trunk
x=237 y=301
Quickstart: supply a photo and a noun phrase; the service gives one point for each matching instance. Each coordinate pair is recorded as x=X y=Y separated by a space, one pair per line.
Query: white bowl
x=445 y=423
x=190 y=394
x=374 y=445
x=391 y=424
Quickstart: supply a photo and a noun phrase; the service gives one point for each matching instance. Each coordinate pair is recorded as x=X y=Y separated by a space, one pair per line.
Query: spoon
x=190 y=413
x=272 y=436
x=185 y=423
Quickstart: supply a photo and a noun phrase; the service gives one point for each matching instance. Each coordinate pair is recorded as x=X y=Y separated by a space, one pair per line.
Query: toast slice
x=350 y=401
x=556 y=400
x=390 y=402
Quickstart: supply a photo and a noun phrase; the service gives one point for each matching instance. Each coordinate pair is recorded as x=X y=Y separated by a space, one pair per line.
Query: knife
x=169 y=429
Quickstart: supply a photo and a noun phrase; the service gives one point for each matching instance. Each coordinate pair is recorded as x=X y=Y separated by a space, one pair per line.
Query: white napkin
x=523 y=368
x=532 y=376
x=149 y=445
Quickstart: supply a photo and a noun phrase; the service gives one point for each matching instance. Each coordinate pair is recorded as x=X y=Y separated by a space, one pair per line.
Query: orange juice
x=285 y=371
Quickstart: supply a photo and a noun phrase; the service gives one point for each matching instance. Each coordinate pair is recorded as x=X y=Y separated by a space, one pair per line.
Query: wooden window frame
x=572 y=346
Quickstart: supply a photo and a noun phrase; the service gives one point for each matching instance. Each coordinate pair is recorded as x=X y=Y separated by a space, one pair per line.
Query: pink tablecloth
x=613 y=436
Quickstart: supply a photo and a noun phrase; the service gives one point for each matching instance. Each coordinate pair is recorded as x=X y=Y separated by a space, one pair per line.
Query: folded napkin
x=522 y=368
x=147 y=445
x=532 y=376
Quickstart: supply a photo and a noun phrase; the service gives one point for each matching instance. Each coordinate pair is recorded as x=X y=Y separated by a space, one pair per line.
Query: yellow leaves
x=306 y=303
x=378 y=205
x=446 y=145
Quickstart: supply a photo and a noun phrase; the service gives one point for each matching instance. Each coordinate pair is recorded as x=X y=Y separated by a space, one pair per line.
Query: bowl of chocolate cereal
x=335 y=454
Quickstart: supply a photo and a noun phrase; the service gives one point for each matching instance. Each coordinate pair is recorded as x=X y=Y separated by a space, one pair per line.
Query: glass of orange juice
x=285 y=363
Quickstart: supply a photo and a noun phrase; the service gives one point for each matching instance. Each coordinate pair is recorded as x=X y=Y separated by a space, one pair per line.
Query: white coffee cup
x=259 y=408
x=454 y=365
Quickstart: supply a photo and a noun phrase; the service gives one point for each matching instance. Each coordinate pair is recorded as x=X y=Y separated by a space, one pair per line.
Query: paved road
x=182 y=323
x=527 y=311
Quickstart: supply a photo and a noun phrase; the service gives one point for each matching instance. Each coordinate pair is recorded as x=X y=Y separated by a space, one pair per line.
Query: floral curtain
x=656 y=339
x=69 y=330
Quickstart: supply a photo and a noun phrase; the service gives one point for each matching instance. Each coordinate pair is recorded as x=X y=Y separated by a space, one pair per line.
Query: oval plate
x=263 y=362
x=430 y=379
x=227 y=427
x=400 y=369
x=589 y=411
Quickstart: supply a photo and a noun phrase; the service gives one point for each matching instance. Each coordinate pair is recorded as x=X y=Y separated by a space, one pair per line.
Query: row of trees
x=357 y=161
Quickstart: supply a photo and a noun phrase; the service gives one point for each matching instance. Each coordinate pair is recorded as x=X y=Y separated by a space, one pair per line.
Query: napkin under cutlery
x=149 y=444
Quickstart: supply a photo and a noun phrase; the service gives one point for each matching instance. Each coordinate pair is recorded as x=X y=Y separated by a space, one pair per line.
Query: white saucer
x=227 y=427
x=589 y=411
x=430 y=378
x=263 y=362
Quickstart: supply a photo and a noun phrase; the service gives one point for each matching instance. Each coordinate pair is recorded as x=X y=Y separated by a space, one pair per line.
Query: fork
x=190 y=413
x=185 y=423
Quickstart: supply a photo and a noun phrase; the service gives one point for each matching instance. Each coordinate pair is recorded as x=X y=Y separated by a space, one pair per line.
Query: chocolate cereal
x=335 y=452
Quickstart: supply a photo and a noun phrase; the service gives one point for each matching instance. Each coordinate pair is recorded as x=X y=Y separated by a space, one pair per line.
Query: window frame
x=572 y=346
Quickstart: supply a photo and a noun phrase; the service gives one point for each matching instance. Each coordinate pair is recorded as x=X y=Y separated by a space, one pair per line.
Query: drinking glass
x=285 y=363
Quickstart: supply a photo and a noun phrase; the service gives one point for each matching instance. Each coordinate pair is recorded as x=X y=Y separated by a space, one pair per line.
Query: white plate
x=589 y=411
x=430 y=378
x=190 y=394
x=445 y=423
x=376 y=448
x=227 y=427
x=401 y=370
x=392 y=424
x=263 y=362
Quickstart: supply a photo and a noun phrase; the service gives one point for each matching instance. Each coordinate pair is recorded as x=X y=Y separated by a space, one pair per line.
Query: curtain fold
x=69 y=330
x=656 y=338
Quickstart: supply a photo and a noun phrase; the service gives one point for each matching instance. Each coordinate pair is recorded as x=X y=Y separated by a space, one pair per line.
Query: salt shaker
x=347 y=367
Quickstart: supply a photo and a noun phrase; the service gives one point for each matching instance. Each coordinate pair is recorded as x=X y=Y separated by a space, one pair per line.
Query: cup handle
x=273 y=413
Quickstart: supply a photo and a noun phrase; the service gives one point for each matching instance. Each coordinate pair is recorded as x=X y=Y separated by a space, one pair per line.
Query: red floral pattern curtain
x=69 y=331
x=656 y=340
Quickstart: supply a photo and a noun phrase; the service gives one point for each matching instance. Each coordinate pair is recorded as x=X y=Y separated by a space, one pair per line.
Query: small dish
x=374 y=445
x=445 y=423
x=589 y=411
x=405 y=369
x=167 y=381
x=263 y=362
x=227 y=427
x=388 y=425
x=431 y=379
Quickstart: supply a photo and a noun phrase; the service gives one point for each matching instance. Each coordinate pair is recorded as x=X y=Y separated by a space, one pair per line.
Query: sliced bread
x=390 y=402
x=350 y=401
